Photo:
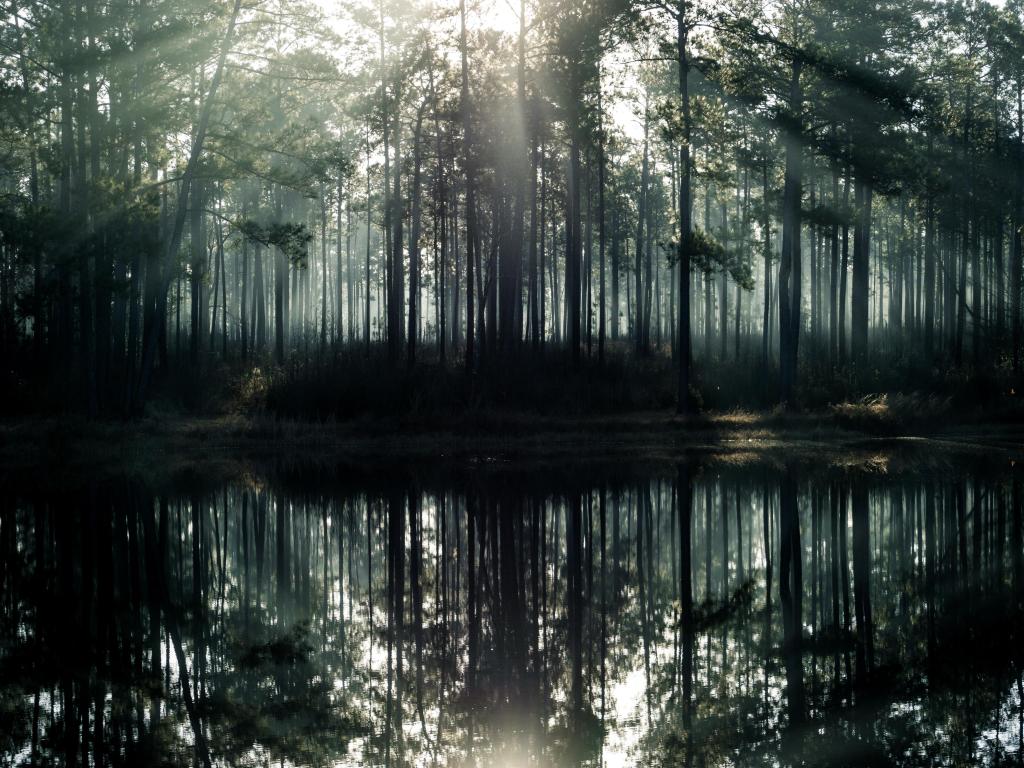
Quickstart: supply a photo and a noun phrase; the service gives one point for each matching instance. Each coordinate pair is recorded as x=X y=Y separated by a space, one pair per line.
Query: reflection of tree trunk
x=834 y=570
x=415 y=567
x=155 y=547
x=283 y=586
x=105 y=616
x=497 y=612
x=930 y=554
x=1016 y=547
x=542 y=672
x=643 y=500
x=707 y=541
x=815 y=567
x=740 y=575
x=259 y=532
x=575 y=601
x=350 y=581
x=441 y=600
x=861 y=581
x=998 y=575
x=960 y=503
x=474 y=621
x=197 y=589
x=186 y=692
x=396 y=508
x=766 y=524
x=589 y=548
x=85 y=640
x=327 y=583
x=344 y=526
x=616 y=543
x=977 y=527
x=536 y=512
x=369 y=583
x=844 y=571
x=512 y=603
x=684 y=489
x=791 y=594
x=602 y=511
x=244 y=536
x=66 y=566
x=725 y=544
x=725 y=541
x=34 y=753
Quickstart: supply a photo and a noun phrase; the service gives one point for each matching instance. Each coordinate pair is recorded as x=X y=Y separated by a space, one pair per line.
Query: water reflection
x=705 y=615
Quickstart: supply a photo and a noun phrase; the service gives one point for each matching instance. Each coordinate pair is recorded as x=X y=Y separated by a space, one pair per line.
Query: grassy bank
x=353 y=408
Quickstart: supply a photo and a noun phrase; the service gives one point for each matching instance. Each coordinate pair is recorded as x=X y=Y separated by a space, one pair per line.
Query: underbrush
x=881 y=395
x=892 y=414
x=885 y=394
x=353 y=387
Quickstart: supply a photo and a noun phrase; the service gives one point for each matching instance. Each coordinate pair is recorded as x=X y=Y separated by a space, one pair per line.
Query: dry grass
x=894 y=414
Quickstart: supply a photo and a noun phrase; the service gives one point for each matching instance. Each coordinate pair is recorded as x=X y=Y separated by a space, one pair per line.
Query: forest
x=332 y=210
x=511 y=383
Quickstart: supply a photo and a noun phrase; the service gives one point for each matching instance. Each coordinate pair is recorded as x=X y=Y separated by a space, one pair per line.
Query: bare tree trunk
x=414 y=239
x=929 y=267
x=468 y=161
x=641 y=219
x=600 y=233
x=154 y=327
x=1018 y=233
x=790 y=266
x=859 y=297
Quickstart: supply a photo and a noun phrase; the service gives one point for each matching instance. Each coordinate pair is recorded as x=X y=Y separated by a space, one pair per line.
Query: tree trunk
x=859 y=297
x=685 y=220
x=414 y=240
x=1018 y=234
x=929 y=268
x=640 y=308
x=600 y=228
x=468 y=160
x=790 y=266
x=155 y=327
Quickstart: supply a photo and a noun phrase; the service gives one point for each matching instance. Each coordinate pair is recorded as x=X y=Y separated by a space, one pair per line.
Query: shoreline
x=159 y=444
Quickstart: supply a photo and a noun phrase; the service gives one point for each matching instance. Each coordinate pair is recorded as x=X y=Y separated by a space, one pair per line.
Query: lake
x=707 y=609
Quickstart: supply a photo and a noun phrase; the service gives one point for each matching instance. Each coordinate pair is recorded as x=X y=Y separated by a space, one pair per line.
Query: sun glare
x=500 y=15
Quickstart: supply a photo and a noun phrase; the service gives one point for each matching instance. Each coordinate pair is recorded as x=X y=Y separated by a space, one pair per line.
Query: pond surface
x=708 y=612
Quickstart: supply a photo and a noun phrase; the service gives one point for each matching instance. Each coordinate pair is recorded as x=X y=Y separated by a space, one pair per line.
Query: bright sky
x=503 y=16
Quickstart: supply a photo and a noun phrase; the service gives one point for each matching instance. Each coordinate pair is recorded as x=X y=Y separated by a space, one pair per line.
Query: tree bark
x=859 y=297
x=790 y=265
x=153 y=327
x=468 y=160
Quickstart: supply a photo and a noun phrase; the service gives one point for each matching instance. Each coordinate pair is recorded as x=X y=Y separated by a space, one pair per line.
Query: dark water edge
x=755 y=604
x=156 y=449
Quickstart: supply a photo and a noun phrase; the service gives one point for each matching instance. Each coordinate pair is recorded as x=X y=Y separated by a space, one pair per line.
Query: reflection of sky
x=627 y=699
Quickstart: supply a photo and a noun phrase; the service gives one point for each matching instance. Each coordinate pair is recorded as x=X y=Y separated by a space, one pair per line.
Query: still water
x=708 y=612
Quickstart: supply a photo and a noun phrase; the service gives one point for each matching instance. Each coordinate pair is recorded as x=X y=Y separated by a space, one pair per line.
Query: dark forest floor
x=358 y=411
